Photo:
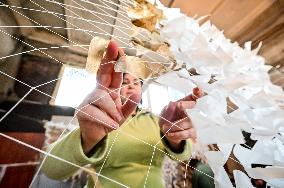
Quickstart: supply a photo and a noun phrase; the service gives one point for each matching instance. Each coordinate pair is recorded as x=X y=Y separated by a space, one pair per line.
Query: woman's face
x=130 y=85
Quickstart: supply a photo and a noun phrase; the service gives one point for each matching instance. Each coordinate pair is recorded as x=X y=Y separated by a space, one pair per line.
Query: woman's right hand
x=101 y=111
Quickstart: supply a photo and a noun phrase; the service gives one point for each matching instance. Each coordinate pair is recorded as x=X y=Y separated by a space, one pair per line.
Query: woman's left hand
x=175 y=124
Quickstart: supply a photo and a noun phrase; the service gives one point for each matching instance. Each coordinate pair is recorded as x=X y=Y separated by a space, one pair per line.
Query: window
x=75 y=85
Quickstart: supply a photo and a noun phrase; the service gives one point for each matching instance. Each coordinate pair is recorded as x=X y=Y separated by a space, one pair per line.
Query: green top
x=129 y=159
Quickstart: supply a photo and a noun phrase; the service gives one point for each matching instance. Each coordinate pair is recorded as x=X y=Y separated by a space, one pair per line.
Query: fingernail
x=118 y=117
x=115 y=125
x=196 y=89
x=199 y=92
x=180 y=106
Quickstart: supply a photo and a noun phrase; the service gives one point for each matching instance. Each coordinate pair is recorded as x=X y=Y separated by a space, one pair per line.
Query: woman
x=132 y=154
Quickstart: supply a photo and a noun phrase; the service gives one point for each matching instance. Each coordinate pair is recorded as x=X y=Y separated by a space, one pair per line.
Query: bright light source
x=75 y=85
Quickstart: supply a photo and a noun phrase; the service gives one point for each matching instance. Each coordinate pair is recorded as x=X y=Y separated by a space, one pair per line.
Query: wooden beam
x=55 y=40
x=197 y=7
x=46 y=37
x=273 y=47
x=167 y=3
x=36 y=110
x=63 y=55
x=228 y=14
x=277 y=76
x=263 y=34
x=18 y=14
x=40 y=35
x=101 y=21
x=262 y=16
x=273 y=41
x=19 y=123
